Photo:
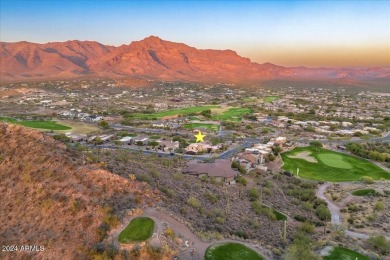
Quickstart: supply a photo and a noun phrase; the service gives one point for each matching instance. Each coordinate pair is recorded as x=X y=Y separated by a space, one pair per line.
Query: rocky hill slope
x=50 y=199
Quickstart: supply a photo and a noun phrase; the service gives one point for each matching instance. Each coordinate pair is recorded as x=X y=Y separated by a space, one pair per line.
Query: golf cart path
x=160 y=216
x=335 y=213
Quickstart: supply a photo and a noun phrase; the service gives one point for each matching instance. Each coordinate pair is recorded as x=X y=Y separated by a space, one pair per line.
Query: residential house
x=195 y=148
x=76 y=138
x=140 y=140
x=220 y=169
x=105 y=138
x=250 y=160
x=93 y=118
x=280 y=141
x=168 y=145
x=161 y=124
x=125 y=140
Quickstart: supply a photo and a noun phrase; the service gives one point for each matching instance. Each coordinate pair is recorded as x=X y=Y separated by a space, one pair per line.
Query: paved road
x=246 y=144
x=335 y=212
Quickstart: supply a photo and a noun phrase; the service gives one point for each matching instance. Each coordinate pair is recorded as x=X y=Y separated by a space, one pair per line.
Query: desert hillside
x=50 y=199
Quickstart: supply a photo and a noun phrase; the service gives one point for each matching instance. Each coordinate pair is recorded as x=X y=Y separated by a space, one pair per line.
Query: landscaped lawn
x=341 y=253
x=212 y=127
x=139 y=229
x=173 y=112
x=269 y=99
x=363 y=192
x=326 y=165
x=48 y=125
x=231 y=251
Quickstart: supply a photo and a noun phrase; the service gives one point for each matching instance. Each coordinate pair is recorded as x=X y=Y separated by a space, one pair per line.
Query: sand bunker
x=305 y=156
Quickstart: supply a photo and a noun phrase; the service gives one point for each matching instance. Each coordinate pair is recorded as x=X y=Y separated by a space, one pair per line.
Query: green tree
x=253 y=194
x=153 y=144
x=323 y=212
x=206 y=113
x=301 y=248
x=276 y=150
x=98 y=141
x=104 y=124
x=242 y=180
x=316 y=144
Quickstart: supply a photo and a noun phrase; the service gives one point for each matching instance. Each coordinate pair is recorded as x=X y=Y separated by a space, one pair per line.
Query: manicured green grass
x=48 y=125
x=269 y=99
x=139 y=229
x=341 y=253
x=331 y=166
x=212 y=127
x=232 y=114
x=334 y=160
x=173 y=112
x=231 y=251
x=363 y=192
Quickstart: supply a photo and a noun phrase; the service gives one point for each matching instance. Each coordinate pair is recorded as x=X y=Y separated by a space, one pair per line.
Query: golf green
x=341 y=253
x=231 y=251
x=139 y=229
x=325 y=165
x=334 y=160
x=364 y=192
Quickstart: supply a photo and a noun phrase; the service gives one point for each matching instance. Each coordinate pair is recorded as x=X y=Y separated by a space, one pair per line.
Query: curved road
x=335 y=212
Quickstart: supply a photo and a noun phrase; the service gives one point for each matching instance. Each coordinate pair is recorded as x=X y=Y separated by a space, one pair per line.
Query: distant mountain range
x=153 y=58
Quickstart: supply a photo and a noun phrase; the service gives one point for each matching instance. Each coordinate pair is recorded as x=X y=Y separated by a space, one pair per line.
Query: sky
x=290 y=33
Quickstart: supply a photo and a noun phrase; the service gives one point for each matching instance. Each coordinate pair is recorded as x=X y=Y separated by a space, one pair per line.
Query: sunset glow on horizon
x=289 y=33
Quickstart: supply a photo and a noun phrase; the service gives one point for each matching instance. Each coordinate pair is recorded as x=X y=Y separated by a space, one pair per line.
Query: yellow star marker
x=199 y=137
